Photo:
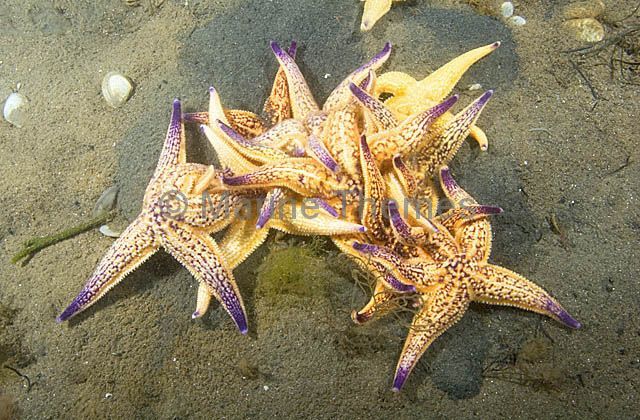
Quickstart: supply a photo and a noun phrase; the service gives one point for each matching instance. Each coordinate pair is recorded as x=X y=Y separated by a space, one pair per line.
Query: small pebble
x=586 y=29
x=506 y=9
x=584 y=9
x=475 y=86
x=517 y=20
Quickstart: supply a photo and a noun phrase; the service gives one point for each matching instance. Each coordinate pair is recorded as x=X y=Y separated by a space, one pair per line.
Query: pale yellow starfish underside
x=373 y=11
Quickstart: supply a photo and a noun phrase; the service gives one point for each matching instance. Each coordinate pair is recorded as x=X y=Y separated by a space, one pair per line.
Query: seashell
x=107 y=231
x=106 y=202
x=15 y=107
x=506 y=9
x=517 y=20
x=583 y=9
x=116 y=88
x=587 y=29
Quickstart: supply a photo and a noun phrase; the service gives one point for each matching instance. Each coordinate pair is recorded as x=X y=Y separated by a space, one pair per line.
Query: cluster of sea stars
x=363 y=166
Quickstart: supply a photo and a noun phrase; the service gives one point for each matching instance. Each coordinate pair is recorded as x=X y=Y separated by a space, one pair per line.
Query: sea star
x=175 y=217
x=457 y=274
x=373 y=11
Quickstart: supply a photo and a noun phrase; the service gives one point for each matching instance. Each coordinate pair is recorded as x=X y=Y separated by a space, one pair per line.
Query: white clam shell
x=506 y=9
x=107 y=231
x=517 y=20
x=15 y=107
x=116 y=88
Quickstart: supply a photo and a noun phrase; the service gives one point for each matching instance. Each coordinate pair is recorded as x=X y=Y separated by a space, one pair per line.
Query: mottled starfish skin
x=373 y=11
x=459 y=274
x=185 y=236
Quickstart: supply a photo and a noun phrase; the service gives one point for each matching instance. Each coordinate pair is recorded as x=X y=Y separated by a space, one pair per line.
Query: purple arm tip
x=293 y=48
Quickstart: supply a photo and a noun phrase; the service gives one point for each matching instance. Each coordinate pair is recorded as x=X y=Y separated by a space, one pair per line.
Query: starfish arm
x=382 y=116
x=302 y=175
x=285 y=136
x=271 y=202
x=216 y=111
x=201 y=117
x=404 y=175
x=173 y=151
x=408 y=235
x=244 y=122
x=395 y=83
x=341 y=94
x=422 y=273
x=498 y=286
x=445 y=145
x=480 y=137
x=321 y=154
x=340 y=135
x=410 y=134
x=199 y=253
x=254 y=151
x=305 y=217
x=228 y=157
x=379 y=303
x=441 y=310
x=136 y=244
x=439 y=84
x=302 y=102
x=240 y=240
x=210 y=211
x=203 y=300
x=278 y=105
x=374 y=193
x=417 y=208
x=468 y=220
x=373 y=11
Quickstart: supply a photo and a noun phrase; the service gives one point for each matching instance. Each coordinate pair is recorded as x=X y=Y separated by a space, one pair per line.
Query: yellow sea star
x=457 y=273
x=175 y=217
x=373 y=11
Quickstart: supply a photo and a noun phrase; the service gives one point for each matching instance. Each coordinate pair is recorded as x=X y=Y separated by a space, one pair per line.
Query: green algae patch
x=295 y=271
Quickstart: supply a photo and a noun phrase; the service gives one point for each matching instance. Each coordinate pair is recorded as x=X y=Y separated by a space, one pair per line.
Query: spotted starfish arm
x=410 y=134
x=373 y=11
x=228 y=156
x=383 y=118
x=420 y=272
x=498 y=286
x=271 y=202
x=341 y=94
x=244 y=122
x=408 y=235
x=416 y=208
x=341 y=134
x=238 y=242
x=302 y=102
x=199 y=253
x=440 y=311
x=468 y=221
x=136 y=244
x=306 y=217
x=374 y=193
x=278 y=104
x=405 y=176
x=380 y=302
x=321 y=154
x=439 y=84
x=443 y=147
x=173 y=151
x=254 y=151
x=286 y=136
x=301 y=175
